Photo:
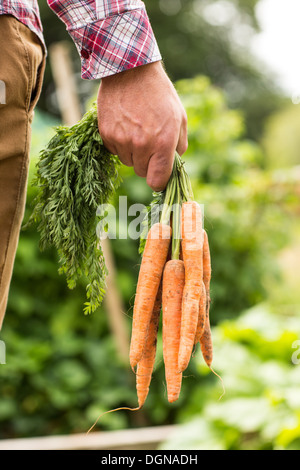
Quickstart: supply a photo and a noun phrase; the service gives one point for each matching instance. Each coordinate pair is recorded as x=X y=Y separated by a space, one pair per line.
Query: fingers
x=119 y=148
x=152 y=160
x=133 y=153
x=125 y=157
x=161 y=163
x=141 y=153
x=136 y=158
x=159 y=170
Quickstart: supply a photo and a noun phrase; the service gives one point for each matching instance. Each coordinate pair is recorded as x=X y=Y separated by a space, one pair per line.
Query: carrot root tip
x=111 y=411
x=222 y=382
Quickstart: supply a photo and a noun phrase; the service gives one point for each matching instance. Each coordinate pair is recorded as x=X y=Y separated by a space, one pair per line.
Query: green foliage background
x=62 y=368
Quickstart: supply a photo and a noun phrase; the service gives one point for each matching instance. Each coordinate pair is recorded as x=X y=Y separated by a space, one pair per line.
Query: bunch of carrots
x=180 y=287
x=174 y=279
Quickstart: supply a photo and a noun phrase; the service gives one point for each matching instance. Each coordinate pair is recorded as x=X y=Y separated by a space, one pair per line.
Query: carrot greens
x=75 y=174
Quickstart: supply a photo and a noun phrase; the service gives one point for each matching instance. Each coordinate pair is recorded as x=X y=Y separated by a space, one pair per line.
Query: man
x=142 y=119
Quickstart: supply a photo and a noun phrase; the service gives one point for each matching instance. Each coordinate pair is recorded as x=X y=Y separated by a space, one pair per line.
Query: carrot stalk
x=173 y=285
x=146 y=364
x=192 y=253
x=152 y=265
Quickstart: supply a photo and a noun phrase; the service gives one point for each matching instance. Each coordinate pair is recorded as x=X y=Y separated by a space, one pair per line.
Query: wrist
x=153 y=69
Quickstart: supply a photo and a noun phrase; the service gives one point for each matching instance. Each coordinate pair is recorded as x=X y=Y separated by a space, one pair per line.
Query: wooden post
x=69 y=105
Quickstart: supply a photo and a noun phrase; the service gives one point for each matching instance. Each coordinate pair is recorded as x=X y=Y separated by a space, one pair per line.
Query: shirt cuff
x=116 y=43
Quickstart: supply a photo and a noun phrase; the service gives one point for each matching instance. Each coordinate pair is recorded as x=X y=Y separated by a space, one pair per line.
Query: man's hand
x=142 y=120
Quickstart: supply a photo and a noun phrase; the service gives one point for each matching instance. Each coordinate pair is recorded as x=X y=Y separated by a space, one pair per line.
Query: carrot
x=173 y=285
x=206 y=267
x=206 y=343
x=206 y=346
x=152 y=265
x=146 y=364
x=206 y=339
x=192 y=253
x=205 y=296
x=202 y=315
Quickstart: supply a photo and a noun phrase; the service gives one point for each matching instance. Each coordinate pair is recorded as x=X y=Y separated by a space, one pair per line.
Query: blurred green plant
x=62 y=369
x=257 y=356
x=281 y=138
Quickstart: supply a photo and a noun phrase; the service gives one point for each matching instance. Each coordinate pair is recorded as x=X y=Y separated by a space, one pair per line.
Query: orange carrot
x=192 y=253
x=202 y=315
x=146 y=364
x=206 y=267
x=206 y=340
x=173 y=285
x=206 y=343
x=152 y=265
x=205 y=296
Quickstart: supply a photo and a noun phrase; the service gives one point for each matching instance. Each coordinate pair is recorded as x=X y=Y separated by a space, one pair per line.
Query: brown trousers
x=22 y=65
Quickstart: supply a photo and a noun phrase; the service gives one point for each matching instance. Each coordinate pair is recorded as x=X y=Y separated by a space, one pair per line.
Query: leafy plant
x=257 y=355
x=75 y=174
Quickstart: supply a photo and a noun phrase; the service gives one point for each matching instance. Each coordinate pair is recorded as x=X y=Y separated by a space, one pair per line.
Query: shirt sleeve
x=110 y=35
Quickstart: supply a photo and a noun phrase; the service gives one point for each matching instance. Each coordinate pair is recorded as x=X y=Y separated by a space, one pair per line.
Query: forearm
x=111 y=35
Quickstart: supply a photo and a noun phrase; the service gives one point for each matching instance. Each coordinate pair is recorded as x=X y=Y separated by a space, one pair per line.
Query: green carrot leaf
x=75 y=174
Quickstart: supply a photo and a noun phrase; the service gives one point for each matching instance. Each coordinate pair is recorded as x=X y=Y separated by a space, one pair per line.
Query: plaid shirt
x=111 y=35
